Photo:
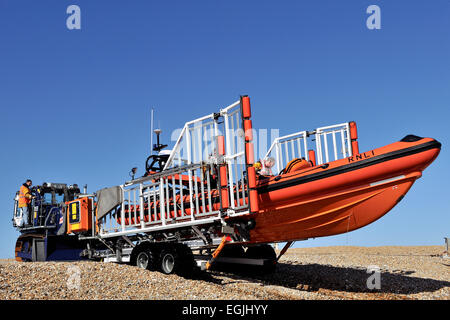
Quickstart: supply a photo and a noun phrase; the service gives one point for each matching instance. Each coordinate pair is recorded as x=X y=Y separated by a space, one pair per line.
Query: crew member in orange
x=25 y=197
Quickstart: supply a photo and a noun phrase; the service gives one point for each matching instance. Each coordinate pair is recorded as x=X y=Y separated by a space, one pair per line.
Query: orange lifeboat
x=307 y=200
x=342 y=195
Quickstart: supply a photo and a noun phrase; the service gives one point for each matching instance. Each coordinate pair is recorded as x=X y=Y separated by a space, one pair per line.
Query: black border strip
x=352 y=166
x=225 y=309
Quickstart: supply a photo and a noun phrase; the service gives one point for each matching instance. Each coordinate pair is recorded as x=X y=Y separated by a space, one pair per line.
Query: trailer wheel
x=168 y=261
x=144 y=258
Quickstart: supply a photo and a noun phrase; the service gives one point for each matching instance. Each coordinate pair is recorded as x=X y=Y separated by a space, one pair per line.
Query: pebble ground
x=308 y=273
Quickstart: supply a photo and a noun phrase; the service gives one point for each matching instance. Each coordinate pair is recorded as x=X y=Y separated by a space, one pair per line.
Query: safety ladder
x=208 y=176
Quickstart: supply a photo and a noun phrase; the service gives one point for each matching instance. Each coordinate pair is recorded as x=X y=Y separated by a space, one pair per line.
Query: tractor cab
x=46 y=208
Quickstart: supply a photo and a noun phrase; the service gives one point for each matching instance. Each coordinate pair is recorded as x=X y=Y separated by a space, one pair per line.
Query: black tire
x=169 y=261
x=144 y=258
x=177 y=258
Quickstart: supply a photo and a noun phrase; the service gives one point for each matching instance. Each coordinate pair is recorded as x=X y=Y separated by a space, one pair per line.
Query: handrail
x=296 y=145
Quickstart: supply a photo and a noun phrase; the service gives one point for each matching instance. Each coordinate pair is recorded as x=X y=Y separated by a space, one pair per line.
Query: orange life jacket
x=24 y=196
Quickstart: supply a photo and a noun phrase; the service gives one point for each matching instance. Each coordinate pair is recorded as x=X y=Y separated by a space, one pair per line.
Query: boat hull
x=333 y=214
x=341 y=196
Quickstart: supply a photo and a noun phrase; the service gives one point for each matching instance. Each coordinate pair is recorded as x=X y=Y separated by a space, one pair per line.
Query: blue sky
x=75 y=104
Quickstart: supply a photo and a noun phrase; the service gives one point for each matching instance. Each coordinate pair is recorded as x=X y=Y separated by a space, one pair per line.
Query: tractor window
x=59 y=197
x=48 y=197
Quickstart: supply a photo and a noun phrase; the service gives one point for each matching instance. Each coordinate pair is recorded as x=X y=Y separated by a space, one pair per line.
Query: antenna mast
x=151 y=132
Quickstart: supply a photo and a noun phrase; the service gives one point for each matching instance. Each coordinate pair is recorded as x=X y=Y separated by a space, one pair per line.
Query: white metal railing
x=331 y=143
x=186 y=192
x=235 y=157
x=197 y=144
x=164 y=200
x=338 y=137
x=289 y=147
